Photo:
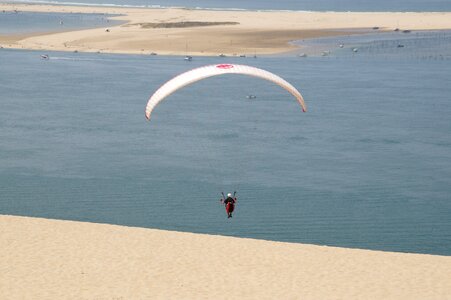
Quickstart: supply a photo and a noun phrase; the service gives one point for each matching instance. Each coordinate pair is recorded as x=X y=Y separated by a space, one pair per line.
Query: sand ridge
x=51 y=259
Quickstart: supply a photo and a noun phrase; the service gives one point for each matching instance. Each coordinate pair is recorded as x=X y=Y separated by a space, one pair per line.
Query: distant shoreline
x=232 y=9
x=181 y=31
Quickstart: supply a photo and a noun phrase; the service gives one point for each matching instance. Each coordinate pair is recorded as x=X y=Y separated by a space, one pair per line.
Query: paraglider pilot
x=229 y=203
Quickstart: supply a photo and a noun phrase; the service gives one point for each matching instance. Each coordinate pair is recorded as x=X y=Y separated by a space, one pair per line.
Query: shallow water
x=412 y=46
x=27 y=22
x=369 y=165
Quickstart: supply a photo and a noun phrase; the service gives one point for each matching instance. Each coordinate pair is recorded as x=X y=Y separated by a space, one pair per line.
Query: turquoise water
x=26 y=22
x=317 y=5
x=368 y=166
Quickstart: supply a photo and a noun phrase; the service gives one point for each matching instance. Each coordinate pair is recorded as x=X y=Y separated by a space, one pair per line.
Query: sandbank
x=51 y=259
x=227 y=32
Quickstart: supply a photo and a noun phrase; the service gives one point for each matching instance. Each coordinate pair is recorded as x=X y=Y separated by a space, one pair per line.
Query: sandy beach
x=203 y=32
x=51 y=259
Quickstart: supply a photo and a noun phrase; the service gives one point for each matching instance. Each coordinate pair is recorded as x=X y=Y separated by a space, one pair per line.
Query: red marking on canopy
x=224 y=66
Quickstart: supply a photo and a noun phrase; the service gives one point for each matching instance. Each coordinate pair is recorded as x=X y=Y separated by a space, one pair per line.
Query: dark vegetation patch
x=182 y=24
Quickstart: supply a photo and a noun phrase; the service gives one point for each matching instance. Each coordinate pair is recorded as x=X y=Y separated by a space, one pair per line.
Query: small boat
x=341 y=45
x=355 y=49
x=44 y=56
x=375 y=28
x=251 y=96
x=406 y=31
x=222 y=55
x=302 y=55
x=400 y=46
x=396 y=29
x=153 y=53
x=243 y=55
x=188 y=58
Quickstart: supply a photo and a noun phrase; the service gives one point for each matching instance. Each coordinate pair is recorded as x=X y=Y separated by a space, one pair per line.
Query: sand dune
x=228 y=32
x=50 y=259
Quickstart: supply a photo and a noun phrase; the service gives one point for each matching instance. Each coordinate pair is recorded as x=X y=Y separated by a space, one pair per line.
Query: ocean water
x=27 y=22
x=368 y=166
x=317 y=5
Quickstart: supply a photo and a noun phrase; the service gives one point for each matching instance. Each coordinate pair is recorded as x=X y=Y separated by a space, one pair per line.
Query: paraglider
x=229 y=203
x=200 y=73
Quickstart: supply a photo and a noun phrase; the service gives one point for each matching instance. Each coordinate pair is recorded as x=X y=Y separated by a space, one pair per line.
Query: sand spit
x=50 y=259
x=174 y=31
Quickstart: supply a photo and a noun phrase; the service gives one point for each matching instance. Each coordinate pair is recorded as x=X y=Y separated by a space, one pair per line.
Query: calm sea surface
x=369 y=165
x=316 y=5
x=26 y=22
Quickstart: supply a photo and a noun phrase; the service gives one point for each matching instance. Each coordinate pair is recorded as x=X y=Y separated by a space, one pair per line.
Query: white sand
x=257 y=32
x=49 y=259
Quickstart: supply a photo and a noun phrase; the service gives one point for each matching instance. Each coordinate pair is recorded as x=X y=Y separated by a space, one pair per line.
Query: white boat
x=188 y=58
x=44 y=56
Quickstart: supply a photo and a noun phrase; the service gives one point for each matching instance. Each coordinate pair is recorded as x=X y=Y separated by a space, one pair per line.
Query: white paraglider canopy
x=213 y=70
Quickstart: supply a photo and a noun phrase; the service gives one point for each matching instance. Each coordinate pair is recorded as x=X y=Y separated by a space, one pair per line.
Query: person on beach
x=229 y=203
